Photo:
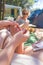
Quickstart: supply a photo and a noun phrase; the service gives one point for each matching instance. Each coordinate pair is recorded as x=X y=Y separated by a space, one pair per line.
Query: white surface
x=40 y=44
x=39 y=33
x=31 y=25
x=36 y=49
x=38 y=5
x=20 y=59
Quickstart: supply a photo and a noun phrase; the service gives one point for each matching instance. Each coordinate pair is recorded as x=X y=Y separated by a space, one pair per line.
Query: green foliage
x=31 y=40
x=31 y=2
x=20 y=2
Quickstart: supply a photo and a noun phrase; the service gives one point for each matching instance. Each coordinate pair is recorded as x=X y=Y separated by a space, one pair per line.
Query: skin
x=12 y=26
x=24 y=17
x=7 y=52
x=6 y=23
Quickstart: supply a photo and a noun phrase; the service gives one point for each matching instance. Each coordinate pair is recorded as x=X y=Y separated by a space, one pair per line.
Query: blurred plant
x=21 y=3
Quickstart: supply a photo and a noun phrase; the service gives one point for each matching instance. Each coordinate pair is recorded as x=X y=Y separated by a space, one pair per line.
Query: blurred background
x=13 y=8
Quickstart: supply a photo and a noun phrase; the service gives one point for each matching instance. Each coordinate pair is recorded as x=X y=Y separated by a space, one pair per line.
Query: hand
x=13 y=23
x=20 y=37
x=13 y=27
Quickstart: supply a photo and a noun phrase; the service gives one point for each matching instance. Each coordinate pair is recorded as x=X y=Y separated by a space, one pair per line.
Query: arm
x=6 y=23
x=7 y=53
x=18 y=19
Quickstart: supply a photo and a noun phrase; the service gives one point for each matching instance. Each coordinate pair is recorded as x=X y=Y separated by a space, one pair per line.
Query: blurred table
x=36 y=54
x=20 y=48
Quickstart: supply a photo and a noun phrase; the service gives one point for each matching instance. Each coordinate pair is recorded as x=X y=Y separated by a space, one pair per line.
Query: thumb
x=27 y=34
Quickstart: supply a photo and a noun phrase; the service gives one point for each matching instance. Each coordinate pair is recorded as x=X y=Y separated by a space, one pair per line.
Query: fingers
x=24 y=31
x=26 y=35
x=23 y=36
x=13 y=23
x=17 y=26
